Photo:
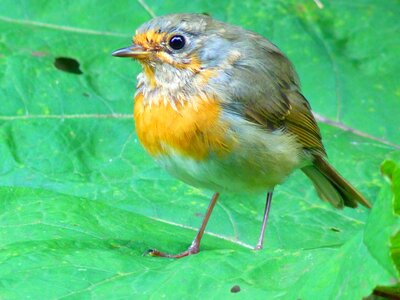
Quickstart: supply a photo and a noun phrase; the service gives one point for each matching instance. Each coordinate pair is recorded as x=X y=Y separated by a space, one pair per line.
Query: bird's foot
x=190 y=251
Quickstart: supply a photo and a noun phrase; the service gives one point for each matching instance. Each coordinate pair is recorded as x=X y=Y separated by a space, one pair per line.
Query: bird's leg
x=195 y=246
x=259 y=245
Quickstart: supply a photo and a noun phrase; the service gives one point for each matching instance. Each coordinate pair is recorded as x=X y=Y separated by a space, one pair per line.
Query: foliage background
x=81 y=201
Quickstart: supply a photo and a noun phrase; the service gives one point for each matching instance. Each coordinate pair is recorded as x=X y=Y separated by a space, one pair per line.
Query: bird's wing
x=296 y=119
x=274 y=100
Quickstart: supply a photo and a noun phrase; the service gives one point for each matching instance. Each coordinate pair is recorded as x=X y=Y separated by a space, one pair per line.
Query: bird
x=220 y=108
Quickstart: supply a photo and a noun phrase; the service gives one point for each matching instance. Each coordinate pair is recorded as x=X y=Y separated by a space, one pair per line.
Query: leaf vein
x=354 y=131
x=61 y=27
x=147 y=8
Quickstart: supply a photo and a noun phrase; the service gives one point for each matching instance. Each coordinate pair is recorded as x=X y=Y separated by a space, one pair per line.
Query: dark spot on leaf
x=206 y=14
x=198 y=214
x=38 y=54
x=86 y=94
x=67 y=64
x=335 y=229
x=235 y=289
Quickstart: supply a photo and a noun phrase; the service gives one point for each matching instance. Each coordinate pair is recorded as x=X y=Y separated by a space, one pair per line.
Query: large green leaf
x=81 y=200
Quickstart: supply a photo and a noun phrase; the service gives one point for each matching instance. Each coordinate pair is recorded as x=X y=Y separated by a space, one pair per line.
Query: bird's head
x=180 y=46
x=171 y=39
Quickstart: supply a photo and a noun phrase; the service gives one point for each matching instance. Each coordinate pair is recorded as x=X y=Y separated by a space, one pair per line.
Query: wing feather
x=274 y=100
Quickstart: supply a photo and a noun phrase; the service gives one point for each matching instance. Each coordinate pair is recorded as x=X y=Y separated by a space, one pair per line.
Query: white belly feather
x=260 y=161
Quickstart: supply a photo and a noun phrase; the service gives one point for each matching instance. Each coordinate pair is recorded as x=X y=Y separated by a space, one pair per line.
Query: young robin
x=220 y=107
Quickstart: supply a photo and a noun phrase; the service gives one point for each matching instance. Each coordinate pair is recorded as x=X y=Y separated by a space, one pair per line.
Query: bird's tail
x=331 y=186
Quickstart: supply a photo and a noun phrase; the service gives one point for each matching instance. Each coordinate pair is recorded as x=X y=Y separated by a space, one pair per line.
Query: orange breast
x=195 y=131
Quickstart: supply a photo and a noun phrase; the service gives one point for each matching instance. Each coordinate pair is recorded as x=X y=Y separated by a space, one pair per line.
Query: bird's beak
x=134 y=51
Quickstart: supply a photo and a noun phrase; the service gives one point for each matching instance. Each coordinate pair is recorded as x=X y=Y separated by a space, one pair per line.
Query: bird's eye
x=177 y=42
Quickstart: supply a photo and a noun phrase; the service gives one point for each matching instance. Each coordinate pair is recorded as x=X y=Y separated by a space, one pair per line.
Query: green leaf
x=81 y=201
x=392 y=171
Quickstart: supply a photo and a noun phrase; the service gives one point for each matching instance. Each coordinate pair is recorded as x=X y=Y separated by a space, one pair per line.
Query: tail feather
x=332 y=187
